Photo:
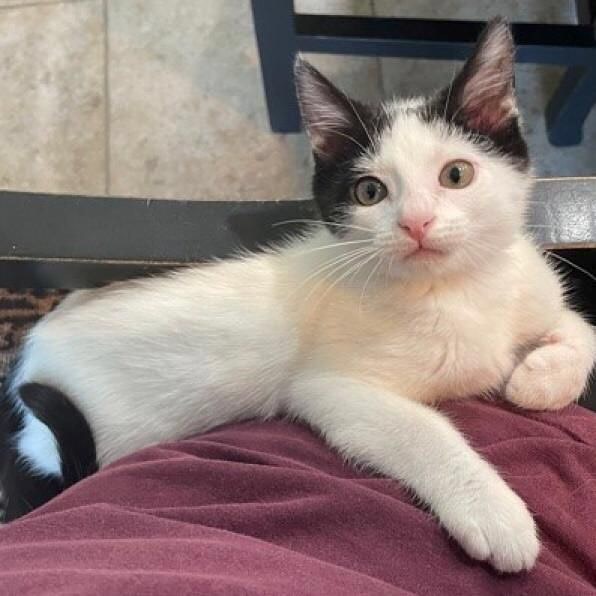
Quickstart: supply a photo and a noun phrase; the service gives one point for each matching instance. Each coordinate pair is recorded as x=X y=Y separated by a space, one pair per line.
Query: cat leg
x=418 y=446
x=556 y=372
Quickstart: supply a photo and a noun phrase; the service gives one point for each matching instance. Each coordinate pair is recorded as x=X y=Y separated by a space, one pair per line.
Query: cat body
x=421 y=285
x=209 y=345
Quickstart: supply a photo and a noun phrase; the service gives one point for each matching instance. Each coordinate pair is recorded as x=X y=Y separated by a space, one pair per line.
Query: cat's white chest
x=428 y=349
x=466 y=354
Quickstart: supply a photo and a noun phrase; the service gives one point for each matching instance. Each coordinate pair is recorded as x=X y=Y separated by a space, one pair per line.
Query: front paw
x=498 y=529
x=549 y=378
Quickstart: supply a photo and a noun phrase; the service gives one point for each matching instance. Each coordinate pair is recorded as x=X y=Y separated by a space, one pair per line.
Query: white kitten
x=420 y=287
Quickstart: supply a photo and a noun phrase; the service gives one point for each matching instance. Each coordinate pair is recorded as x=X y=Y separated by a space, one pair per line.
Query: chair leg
x=276 y=40
x=570 y=105
x=585 y=11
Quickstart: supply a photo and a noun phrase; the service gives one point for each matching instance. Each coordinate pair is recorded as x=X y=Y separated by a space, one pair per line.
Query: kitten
x=421 y=286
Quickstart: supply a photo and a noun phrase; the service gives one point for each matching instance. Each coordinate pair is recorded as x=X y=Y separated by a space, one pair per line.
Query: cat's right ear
x=334 y=123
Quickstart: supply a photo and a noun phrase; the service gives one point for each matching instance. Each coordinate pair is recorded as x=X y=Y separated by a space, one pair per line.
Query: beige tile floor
x=156 y=98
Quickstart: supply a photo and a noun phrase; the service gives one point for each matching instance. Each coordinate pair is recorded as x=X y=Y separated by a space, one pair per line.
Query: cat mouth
x=424 y=253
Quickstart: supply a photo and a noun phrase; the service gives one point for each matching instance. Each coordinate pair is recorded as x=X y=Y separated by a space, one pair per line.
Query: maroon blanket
x=266 y=508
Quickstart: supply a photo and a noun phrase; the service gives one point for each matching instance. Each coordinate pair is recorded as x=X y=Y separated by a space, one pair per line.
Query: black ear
x=337 y=125
x=482 y=96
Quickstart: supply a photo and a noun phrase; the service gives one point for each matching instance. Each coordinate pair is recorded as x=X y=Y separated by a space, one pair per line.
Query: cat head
x=436 y=184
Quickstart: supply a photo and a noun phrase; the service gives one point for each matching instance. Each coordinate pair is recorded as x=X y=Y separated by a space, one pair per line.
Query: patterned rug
x=18 y=311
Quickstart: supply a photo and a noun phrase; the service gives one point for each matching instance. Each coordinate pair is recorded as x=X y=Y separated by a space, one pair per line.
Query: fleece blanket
x=266 y=508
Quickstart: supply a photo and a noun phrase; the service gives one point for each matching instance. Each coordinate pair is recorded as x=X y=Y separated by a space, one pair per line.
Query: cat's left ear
x=336 y=124
x=482 y=96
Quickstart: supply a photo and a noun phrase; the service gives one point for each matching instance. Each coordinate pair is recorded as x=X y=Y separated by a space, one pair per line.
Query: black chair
x=281 y=32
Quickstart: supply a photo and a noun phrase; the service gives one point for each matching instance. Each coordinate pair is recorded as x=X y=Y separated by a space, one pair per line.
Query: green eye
x=457 y=174
x=369 y=191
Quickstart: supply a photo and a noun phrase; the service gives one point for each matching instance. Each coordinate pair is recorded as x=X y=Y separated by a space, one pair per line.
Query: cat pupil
x=371 y=190
x=455 y=175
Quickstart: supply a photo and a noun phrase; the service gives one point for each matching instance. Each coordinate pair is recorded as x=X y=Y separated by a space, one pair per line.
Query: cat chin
x=419 y=268
x=429 y=265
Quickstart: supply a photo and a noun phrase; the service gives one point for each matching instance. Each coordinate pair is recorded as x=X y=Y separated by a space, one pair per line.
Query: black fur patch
x=341 y=130
x=333 y=178
x=480 y=99
x=507 y=141
x=22 y=489
x=69 y=426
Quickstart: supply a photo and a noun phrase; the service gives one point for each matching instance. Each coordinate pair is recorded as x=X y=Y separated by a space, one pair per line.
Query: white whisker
x=370 y=275
x=352 y=268
x=335 y=131
x=449 y=94
x=335 y=245
x=329 y=276
x=338 y=261
x=572 y=264
x=324 y=223
x=360 y=120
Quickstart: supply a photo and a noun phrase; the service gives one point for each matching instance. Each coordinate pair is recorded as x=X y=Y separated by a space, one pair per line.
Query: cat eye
x=457 y=174
x=369 y=191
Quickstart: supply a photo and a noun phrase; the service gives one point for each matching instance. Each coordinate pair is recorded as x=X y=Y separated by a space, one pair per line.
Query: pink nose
x=416 y=227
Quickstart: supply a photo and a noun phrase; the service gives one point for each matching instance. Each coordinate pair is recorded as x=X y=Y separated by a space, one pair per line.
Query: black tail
x=23 y=489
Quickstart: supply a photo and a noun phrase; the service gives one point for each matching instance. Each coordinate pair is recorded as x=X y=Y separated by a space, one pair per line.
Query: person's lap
x=267 y=508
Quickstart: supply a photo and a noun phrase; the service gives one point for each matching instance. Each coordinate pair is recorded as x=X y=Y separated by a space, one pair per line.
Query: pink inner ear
x=327 y=143
x=489 y=116
x=488 y=104
x=487 y=97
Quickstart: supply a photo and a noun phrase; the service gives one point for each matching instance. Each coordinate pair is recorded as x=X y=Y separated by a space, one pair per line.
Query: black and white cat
x=421 y=286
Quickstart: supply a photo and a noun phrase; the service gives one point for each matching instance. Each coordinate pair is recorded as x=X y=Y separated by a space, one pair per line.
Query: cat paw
x=501 y=531
x=549 y=378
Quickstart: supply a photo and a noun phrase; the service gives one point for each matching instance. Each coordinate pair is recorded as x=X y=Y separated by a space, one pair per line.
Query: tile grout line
x=36 y=4
x=107 y=101
x=381 y=80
